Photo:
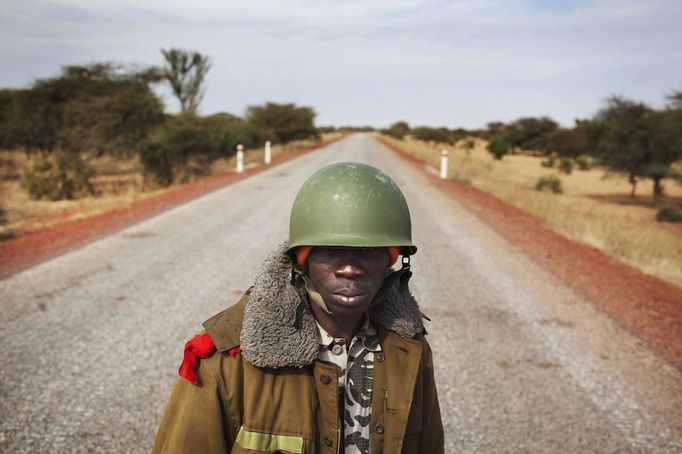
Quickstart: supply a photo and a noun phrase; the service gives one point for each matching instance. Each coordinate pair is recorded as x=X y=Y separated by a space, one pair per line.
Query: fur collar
x=268 y=336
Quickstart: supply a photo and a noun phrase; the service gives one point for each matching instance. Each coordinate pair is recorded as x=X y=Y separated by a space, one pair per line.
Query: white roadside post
x=444 y=164
x=268 y=152
x=240 y=158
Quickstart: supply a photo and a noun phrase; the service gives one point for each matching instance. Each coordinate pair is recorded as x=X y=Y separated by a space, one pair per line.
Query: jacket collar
x=269 y=336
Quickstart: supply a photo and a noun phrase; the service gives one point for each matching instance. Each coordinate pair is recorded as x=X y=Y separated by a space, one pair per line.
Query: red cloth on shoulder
x=200 y=346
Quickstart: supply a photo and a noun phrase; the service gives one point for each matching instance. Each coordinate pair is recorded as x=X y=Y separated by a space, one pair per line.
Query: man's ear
x=393 y=253
x=301 y=257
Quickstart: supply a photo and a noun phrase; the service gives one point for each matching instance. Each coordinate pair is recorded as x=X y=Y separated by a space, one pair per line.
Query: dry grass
x=593 y=209
x=118 y=183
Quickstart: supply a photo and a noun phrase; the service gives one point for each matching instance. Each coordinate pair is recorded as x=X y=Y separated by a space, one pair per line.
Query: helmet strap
x=305 y=288
x=298 y=285
x=314 y=295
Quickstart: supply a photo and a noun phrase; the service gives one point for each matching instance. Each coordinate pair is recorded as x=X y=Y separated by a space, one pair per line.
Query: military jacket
x=275 y=396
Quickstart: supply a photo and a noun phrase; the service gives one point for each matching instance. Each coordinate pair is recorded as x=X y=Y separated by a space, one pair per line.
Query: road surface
x=91 y=340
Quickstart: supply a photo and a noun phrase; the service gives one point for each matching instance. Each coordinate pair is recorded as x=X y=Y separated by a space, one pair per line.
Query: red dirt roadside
x=24 y=251
x=648 y=307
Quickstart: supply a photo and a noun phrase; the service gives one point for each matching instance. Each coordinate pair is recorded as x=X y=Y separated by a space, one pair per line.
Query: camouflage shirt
x=355 y=374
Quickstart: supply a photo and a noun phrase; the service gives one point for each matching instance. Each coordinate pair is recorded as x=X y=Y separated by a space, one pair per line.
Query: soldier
x=326 y=352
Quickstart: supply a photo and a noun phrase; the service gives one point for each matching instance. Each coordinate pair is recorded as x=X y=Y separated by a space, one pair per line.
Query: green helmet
x=350 y=204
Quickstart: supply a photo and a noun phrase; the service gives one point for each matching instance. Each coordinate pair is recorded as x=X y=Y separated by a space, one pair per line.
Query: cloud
x=419 y=59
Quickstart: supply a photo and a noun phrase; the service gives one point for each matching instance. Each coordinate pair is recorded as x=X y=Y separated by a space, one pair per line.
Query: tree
x=667 y=144
x=100 y=108
x=185 y=72
x=498 y=148
x=397 y=130
x=631 y=137
x=528 y=133
x=110 y=111
x=675 y=100
x=458 y=134
x=401 y=126
x=494 y=129
x=8 y=99
x=33 y=119
x=283 y=122
x=570 y=142
x=187 y=145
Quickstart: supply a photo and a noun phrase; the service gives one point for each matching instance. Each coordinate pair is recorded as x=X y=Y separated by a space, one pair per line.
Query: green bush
x=397 y=130
x=187 y=146
x=550 y=161
x=283 y=122
x=498 y=148
x=550 y=183
x=160 y=160
x=58 y=177
x=583 y=163
x=238 y=133
x=669 y=214
x=566 y=166
x=393 y=132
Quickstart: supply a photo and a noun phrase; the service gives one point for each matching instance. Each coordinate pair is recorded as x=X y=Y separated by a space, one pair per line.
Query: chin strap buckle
x=406 y=273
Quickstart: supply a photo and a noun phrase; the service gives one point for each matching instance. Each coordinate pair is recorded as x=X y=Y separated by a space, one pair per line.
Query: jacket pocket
x=249 y=441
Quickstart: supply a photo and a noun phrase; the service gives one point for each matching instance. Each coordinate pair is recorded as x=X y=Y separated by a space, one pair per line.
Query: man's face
x=347 y=278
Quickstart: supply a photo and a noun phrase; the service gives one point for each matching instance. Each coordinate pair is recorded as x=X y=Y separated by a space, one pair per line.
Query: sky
x=460 y=63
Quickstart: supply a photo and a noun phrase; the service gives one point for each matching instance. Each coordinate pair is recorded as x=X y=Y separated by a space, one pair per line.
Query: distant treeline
x=625 y=135
x=109 y=109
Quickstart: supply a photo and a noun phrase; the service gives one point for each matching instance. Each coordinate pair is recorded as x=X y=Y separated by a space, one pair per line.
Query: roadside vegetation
x=585 y=181
x=96 y=136
x=117 y=183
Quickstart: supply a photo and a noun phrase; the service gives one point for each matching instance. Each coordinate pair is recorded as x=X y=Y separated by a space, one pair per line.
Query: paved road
x=91 y=340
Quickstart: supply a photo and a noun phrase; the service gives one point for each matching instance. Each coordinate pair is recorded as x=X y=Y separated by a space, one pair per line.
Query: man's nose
x=349 y=271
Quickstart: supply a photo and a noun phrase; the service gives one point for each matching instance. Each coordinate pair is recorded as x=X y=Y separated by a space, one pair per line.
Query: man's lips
x=349 y=292
x=348 y=296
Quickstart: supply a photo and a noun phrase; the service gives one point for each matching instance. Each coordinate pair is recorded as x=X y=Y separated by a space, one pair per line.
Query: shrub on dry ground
x=550 y=183
x=669 y=214
x=57 y=177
